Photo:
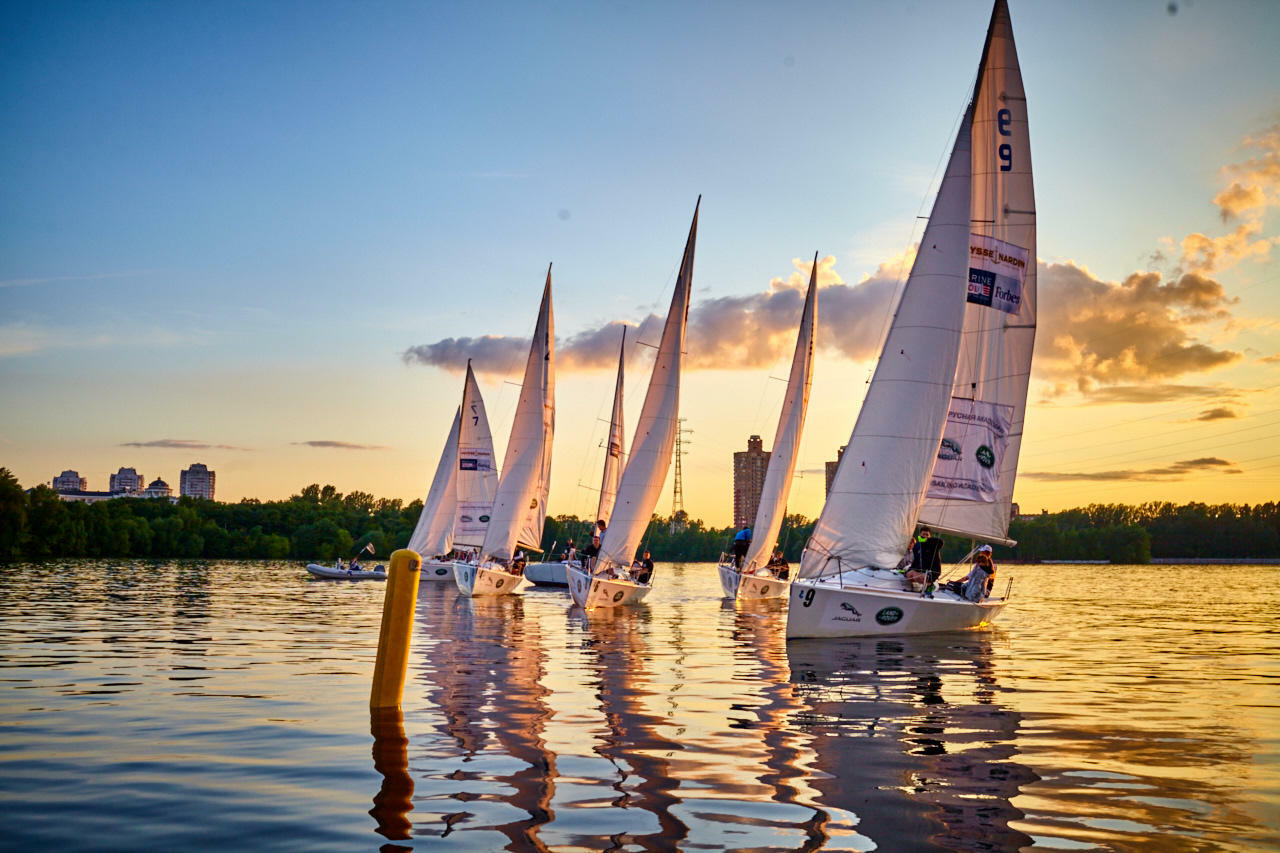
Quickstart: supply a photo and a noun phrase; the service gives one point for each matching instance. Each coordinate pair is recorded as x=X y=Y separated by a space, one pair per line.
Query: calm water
x=225 y=706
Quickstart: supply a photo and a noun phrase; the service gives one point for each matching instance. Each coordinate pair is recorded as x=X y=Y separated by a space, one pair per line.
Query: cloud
x=1175 y=471
x=340 y=445
x=28 y=282
x=1270 y=359
x=1099 y=333
x=1217 y=414
x=1254 y=186
x=724 y=333
x=1154 y=393
x=181 y=444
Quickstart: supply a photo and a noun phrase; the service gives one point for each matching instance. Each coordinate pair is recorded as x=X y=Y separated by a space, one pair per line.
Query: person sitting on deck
x=570 y=552
x=926 y=560
x=590 y=553
x=642 y=569
x=518 y=563
x=976 y=585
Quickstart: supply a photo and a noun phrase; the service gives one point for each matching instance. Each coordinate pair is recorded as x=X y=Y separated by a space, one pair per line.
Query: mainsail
x=884 y=472
x=646 y=469
x=477 y=478
x=971 y=492
x=614 y=450
x=433 y=535
x=786 y=443
x=520 y=506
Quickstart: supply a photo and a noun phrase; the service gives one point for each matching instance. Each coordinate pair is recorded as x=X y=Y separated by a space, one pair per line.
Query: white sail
x=972 y=495
x=884 y=472
x=477 y=477
x=520 y=505
x=646 y=469
x=433 y=534
x=614 y=450
x=786 y=443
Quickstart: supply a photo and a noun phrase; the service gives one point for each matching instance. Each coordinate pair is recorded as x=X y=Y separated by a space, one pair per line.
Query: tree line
x=320 y=523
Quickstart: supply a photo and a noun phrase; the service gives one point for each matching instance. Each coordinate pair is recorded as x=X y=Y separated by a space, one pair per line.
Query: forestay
x=877 y=491
x=433 y=534
x=972 y=488
x=646 y=469
x=520 y=505
x=614 y=449
x=786 y=443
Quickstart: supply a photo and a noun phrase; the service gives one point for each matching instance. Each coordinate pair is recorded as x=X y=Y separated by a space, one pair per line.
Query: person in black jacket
x=589 y=553
x=926 y=560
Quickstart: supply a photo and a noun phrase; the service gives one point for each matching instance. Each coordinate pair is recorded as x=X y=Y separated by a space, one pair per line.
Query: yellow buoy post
x=397 y=628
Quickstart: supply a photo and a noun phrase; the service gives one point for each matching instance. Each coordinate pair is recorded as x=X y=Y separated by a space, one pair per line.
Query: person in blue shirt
x=741 y=543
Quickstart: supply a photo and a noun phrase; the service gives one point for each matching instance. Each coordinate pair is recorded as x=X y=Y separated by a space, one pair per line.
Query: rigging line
x=1163 y=414
x=1163 y=447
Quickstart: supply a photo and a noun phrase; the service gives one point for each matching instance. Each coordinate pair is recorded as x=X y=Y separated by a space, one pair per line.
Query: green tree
x=13 y=515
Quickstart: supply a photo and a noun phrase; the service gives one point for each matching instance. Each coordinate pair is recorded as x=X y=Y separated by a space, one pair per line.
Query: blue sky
x=224 y=223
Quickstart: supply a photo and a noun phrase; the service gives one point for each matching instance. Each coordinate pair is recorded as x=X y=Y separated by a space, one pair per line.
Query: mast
x=971 y=492
x=786 y=442
x=477 y=479
x=646 y=469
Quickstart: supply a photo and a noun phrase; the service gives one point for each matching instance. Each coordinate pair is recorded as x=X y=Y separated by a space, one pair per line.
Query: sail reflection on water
x=632 y=740
x=484 y=676
x=909 y=735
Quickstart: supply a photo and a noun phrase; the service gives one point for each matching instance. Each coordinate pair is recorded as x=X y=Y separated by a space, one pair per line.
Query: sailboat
x=554 y=573
x=609 y=581
x=937 y=437
x=756 y=577
x=520 y=504
x=455 y=513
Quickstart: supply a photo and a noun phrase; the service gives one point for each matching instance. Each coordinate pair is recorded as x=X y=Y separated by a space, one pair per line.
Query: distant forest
x=320 y=523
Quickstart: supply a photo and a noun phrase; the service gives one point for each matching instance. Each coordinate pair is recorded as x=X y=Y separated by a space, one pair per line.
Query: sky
x=253 y=235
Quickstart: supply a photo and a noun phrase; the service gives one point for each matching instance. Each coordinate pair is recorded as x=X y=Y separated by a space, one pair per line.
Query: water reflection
x=759 y=648
x=394 y=800
x=484 y=674
x=909 y=735
x=615 y=642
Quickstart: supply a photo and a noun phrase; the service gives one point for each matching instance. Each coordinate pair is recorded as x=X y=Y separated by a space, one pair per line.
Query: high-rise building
x=70 y=481
x=127 y=480
x=832 y=467
x=748 y=480
x=196 y=482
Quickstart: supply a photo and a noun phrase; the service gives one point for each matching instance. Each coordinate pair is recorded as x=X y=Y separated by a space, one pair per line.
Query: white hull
x=547 y=574
x=751 y=585
x=488 y=579
x=331 y=573
x=590 y=591
x=436 y=570
x=866 y=606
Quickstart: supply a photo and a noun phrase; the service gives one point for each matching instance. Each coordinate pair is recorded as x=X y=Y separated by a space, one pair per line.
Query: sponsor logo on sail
x=986 y=456
x=950 y=449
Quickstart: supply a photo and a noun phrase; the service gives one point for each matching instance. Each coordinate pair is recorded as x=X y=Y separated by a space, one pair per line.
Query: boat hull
x=547 y=574
x=593 y=591
x=331 y=573
x=750 y=585
x=487 y=579
x=824 y=608
x=436 y=571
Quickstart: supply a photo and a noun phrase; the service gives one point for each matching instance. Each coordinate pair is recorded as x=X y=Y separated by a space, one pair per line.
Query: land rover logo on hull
x=889 y=615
